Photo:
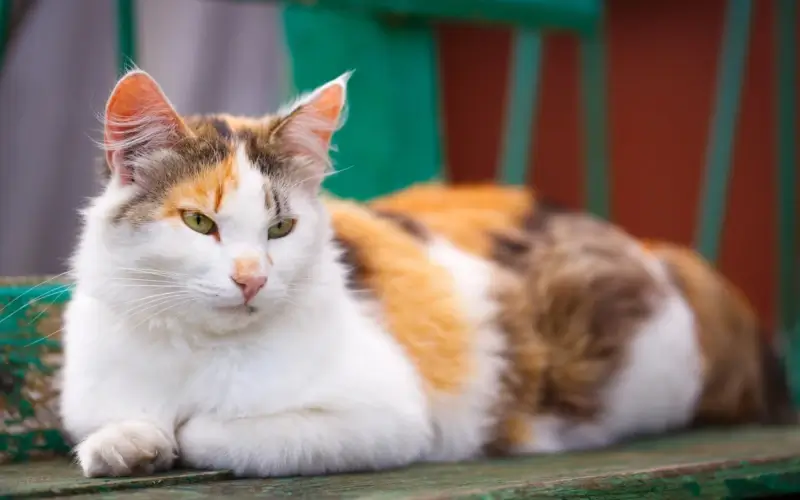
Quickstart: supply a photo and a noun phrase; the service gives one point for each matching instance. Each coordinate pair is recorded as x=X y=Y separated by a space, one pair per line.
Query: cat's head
x=215 y=217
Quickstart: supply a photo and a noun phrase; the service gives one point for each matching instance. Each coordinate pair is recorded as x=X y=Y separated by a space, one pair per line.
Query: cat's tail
x=778 y=406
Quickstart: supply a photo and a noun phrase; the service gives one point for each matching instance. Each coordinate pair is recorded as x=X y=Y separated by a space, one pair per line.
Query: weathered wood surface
x=741 y=463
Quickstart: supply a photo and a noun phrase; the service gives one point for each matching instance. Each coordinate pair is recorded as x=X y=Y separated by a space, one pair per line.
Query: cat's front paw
x=126 y=448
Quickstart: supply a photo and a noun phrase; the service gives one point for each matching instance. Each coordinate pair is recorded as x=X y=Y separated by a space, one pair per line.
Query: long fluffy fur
x=438 y=324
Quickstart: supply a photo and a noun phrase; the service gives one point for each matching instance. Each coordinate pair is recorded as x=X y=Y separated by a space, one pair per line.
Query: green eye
x=199 y=222
x=281 y=228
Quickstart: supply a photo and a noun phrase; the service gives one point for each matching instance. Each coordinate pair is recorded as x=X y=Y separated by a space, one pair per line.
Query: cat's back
x=543 y=331
x=590 y=340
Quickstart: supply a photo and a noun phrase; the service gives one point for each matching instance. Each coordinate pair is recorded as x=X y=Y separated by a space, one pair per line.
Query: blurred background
x=59 y=67
x=643 y=111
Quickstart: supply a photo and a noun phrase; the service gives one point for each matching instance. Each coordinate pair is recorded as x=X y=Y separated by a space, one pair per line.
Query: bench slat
x=709 y=464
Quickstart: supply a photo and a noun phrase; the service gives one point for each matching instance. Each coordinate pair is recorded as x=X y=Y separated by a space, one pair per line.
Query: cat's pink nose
x=249 y=284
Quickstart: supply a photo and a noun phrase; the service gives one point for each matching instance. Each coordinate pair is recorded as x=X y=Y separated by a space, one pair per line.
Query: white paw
x=126 y=448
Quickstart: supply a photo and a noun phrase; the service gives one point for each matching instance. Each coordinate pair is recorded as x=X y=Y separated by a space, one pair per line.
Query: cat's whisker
x=286 y=300
x=148 y=280
x=138 y=274
x=42 y=339
x=50 y=280
x=148 y=285
x=36 y=318
x=176 y=303
x=155 y=272
x=155 y=296
x=141 y=308
x=5 y=316
x=145 y=303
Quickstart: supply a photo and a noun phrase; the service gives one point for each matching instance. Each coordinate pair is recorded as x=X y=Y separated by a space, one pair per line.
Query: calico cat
x=229 y=315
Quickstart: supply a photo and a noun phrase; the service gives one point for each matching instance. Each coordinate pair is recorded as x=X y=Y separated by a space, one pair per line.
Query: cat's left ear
x=139 y=119
x=307 y=126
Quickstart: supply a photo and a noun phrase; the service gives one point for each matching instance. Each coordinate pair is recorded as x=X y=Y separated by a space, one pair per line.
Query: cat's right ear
x=139 y=119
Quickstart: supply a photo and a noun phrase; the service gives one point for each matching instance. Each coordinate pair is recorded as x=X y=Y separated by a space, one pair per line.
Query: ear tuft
x=309 y=123
x=139 y=119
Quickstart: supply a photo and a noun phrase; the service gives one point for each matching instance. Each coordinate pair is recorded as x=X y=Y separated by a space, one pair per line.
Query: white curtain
x=208 y=55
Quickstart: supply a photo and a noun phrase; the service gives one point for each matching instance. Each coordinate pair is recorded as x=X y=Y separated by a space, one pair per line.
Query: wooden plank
x=708 y=464
x=723 y=127
x=521 y=99
x=576 y=15
x=62 y=477
x=392 y=137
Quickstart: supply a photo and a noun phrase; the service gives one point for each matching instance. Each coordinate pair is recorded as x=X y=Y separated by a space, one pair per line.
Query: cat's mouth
x=238 y=309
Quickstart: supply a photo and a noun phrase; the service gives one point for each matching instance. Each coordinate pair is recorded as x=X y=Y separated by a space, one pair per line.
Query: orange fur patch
x=466 y=215
x=429 y=322
x=205 y=192
x=428 y=198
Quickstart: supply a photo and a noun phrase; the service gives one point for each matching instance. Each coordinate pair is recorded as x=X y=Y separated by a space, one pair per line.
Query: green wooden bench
x=394 y=137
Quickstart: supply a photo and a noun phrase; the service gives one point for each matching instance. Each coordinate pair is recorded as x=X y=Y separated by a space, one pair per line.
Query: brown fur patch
x=226 y=126
x=428 y=323
x=357 y=275
x=736 y=389
x=406 y=223
x=582 y=295
x=510 y=250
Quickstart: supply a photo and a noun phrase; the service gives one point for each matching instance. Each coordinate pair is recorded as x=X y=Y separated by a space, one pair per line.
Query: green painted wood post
x=595 y=126
x=5 y=28
x=520 y=110
x=571 y=15
x=723 y=127
x=393 y=133
x=126 y=35
x=786 y=50
x=386 y=157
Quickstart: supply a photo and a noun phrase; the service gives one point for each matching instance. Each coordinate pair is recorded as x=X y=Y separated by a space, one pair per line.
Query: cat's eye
x=281 y=228
x=198 y=222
